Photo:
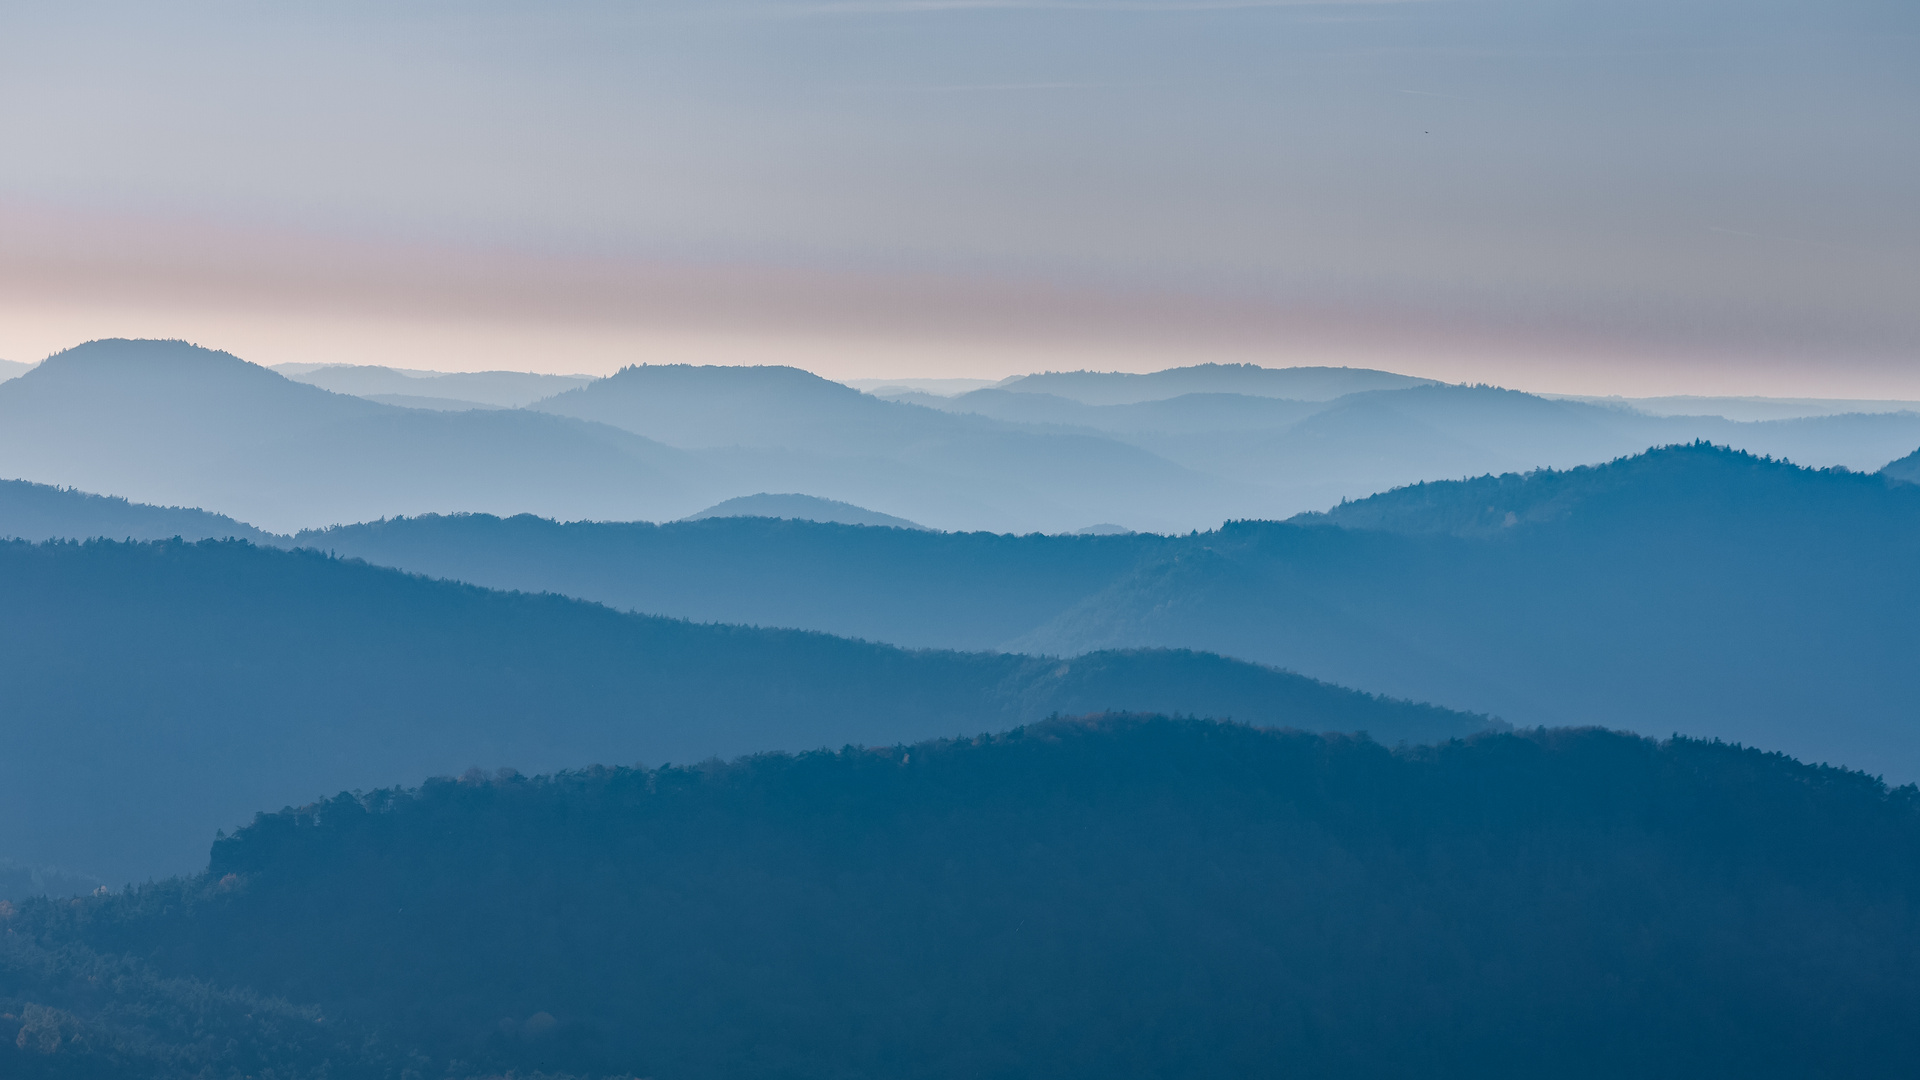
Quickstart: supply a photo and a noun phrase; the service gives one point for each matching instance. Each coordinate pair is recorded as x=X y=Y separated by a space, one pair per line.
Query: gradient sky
x=1605 y=197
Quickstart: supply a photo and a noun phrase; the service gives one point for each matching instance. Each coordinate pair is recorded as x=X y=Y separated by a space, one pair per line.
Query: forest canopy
x=1119 y=897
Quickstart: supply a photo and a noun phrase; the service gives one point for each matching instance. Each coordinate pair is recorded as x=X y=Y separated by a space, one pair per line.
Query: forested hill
x=30 y=511
x=1688 y=486
x=1906 y=470
x=984 y=590
x=1131 y=898
x=1691 y=589
x=155 y=692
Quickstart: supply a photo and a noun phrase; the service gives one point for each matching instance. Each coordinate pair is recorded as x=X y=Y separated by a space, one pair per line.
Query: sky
x=1610 y=197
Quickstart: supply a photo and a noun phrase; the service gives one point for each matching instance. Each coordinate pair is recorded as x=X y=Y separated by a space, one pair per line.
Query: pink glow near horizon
x=286 y=296
x=1699 y=196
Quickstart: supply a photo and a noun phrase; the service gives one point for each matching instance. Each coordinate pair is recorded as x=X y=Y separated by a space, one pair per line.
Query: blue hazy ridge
x=1690 y=589
x=156 y=692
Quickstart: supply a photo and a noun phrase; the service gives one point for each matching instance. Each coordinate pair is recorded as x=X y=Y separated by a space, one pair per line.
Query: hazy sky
x=1624 y=197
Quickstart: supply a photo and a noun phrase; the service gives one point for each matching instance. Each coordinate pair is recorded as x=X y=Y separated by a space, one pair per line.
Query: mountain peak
x=133 y=356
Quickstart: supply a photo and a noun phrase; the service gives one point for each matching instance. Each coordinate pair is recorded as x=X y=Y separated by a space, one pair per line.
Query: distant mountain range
x=1351 y=794
x=431 y=404
x=800 y=508
x=1187 y=414
x=916 y=589
x=1690 y=589
x=794 y=431
x=169 y=423
x=1306 y=455
x=10 y=369
x=1749 y=408
x=1172 y=451
x=469 y=389
x=1120 y=899
x=157 y=691
x=30 y=511
x=1252 y=380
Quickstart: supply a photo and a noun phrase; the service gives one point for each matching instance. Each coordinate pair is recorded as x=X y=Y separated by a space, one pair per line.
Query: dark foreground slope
x=1128 y=898
x=155 y=692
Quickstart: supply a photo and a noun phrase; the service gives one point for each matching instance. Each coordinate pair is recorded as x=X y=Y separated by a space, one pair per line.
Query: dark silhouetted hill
x=155 y=692
x=801 y=508
x=1117 y=899
x=31 y=511
x=174 y=424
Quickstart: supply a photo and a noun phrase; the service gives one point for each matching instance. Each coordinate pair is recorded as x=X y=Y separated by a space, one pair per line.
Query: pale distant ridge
x=889 y=388
x=1293 y=383
x=174 y=424
x=801 y=508
x=1747 y=408
x=784 y=429
x=500 y=389
x=431 y=404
